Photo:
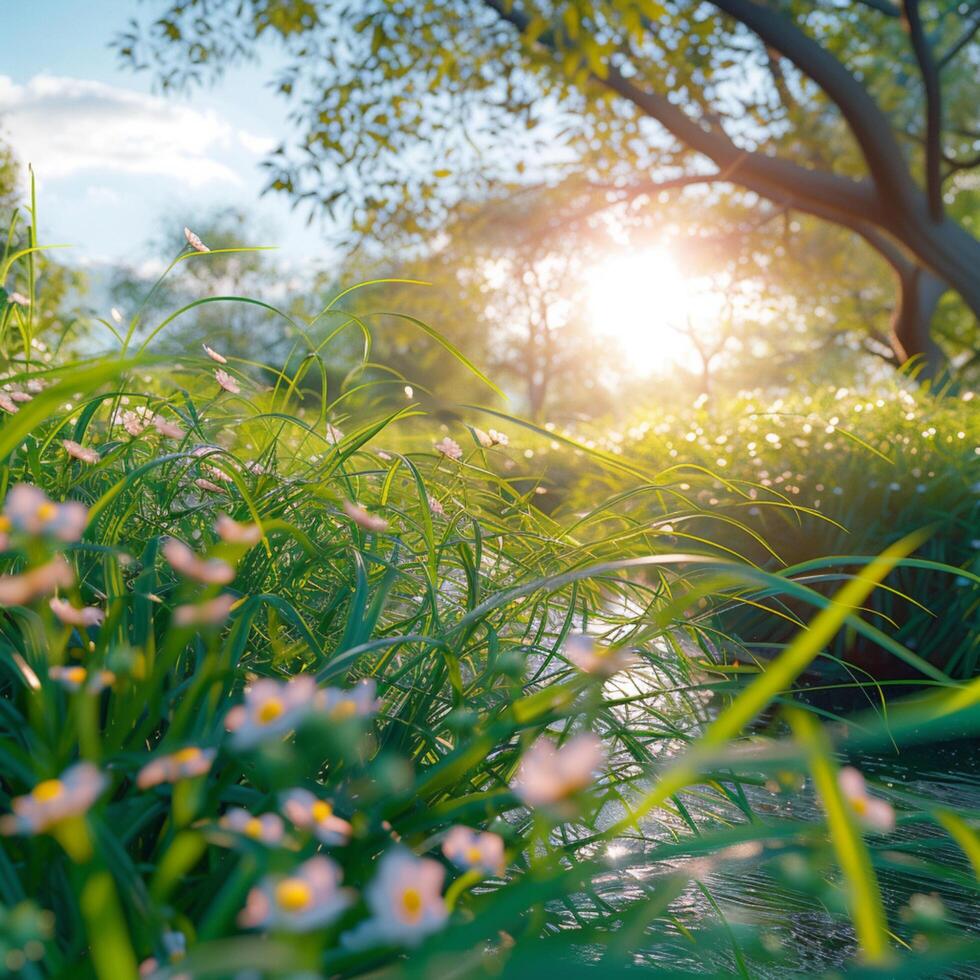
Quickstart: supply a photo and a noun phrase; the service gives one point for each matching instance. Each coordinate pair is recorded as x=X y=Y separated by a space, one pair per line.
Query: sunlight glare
x=643 y=300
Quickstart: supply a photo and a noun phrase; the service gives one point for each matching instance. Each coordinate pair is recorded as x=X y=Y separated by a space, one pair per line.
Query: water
x=753 y=902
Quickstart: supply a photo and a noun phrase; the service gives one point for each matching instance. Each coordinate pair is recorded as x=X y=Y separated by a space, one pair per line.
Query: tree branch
x=867 y=122
x=934 y=106
x=962 y=42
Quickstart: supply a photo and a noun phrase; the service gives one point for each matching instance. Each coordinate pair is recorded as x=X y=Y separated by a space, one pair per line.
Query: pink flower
x=406 y=902
x=30 y=511
x=308 y=812
x=55 y=800
x=227 y=382
x=234 y=533
x=195 y=242
x=211 y=613
x=72 y=616
x=134 y=422
x=19 y=590
x=267 y=829
x=593 y=658
x=214 y=355
x=19 y=298
x=271 y=709
x=7 y=403
x=210 y=571
x=186 y=763
x=449 y=448
x=208 y=485
x=363 y=519
x=78 y=451
x=550 y=773
x=308 y=899
x=469 y=849
x=872 y=812
x=333 y=435
x=167 y=428
x=436 y=507
x=20 y=396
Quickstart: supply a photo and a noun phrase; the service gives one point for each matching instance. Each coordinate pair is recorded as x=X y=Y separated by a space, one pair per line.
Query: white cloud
x=259 y=145
x=67 y=125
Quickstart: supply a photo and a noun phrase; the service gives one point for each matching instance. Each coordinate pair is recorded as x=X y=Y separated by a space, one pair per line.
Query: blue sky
x=113 y=158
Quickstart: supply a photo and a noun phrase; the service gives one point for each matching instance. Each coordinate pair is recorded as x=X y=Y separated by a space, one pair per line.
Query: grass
x=459 y=612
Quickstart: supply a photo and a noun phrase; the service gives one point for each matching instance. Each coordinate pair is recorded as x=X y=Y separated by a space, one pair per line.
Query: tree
x=414 y=100
x=242 y=329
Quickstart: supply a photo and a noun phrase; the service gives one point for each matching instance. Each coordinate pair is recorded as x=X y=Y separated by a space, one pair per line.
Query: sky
x=113 y=158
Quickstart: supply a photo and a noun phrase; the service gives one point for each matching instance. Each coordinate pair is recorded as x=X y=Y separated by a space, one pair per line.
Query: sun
x=645 y=302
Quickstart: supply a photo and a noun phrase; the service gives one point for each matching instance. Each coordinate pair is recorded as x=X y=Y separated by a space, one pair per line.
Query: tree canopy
x=860 y=113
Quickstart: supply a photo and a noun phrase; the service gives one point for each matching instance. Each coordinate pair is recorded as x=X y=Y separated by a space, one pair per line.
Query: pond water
x=811 y=941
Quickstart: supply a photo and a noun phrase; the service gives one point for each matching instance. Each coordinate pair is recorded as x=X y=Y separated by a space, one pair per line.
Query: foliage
x=458 y=612
x=432 y=102
x=785 y=481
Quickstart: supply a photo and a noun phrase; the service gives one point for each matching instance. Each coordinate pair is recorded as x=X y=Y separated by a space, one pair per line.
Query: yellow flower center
x=48 y=790
x=4 y=523
x=75 y=675
x=186 y=755
x=253 y=828
x=321 y=810
x=46 y=511
x=473 y=855
x=860 y=805
x=270 y=711
x=411 y=903
x=346 y=709
x=293 y=894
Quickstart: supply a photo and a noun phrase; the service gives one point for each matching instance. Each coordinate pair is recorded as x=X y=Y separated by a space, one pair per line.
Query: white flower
x=308 y=812
x=55 y=800
x=490 y=439
x=29 y=510
x=74 y=678
x=340 y=704
x=19 y=590
x=267 y=829
x=334 y=435
x=873 y=813
x=73 y=616
x=406 y=902
x=469 y=849
x=308 y=899
x=186 y=763
x=195 y=242
x=270 y=710
x=550 y=773
x=593 y=658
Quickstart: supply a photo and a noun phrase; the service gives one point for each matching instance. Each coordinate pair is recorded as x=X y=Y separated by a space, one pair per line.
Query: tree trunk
x=919 y=295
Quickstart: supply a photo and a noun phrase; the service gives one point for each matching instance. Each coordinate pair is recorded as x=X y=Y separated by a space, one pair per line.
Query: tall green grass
x=460 y=613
